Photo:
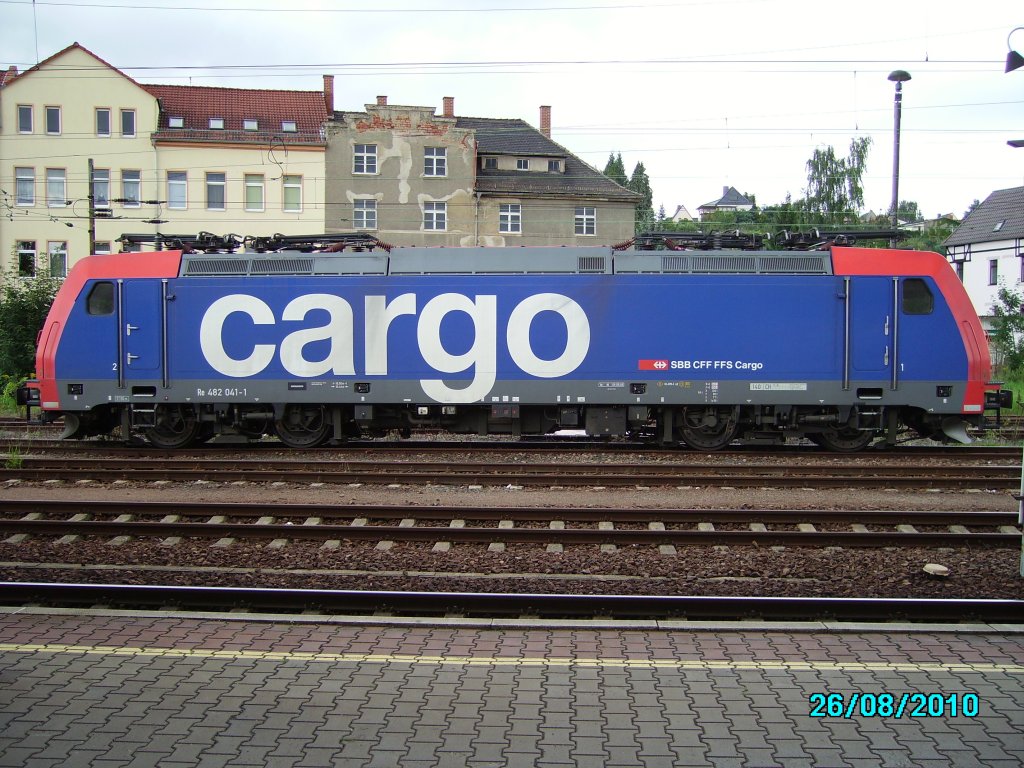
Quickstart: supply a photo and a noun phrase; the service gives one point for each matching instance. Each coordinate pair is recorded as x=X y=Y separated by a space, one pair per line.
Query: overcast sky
x=705 y=93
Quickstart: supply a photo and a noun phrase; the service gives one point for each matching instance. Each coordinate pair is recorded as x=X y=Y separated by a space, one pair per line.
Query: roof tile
x=270 y=108
x=980 y=226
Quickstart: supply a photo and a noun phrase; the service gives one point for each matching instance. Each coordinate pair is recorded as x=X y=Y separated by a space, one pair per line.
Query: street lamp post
x=899 y=77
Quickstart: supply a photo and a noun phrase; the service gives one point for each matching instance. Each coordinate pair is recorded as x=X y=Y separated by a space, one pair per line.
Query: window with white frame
x=554 y=166
x=26 y=258
x=24 y=186
x=364 y=214
x=131 y=188
x=53 y=120
x=177 y=190
x=175 y=122
x=102 y=121
x=101 y=247
x=250 y=125
x=289 y=126
x=586 y=220
x=292 y=194
x=56 y=188
x=217 y=123
x=510 y=218
x=216 y=184
x=490 y=163
x=435 y=161
x=522 y=164
x=57 y=253
x=435 y=216
x=101 y=188
x=993 y=271
x=254 y=192
x=364 y=158
x=24 y=118
x=128 y=123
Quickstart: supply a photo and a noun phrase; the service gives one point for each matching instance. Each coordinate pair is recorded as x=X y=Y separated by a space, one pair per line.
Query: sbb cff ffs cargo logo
x=654 y=365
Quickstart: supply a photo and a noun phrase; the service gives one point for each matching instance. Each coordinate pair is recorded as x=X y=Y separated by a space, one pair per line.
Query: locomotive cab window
x=101 y=299
x=917 y=297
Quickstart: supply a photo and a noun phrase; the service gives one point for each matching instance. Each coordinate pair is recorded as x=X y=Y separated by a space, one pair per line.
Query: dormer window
x=175 y=122
x=216 y=123
x=554 y=166
x=250 y=125
x=490 y=163
x=289 y=126
x=523 y=164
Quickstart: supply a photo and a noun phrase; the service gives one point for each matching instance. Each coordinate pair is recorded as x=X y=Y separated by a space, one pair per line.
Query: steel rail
x=521 y=478
x=533 y=474
x=215 y=466
x=512 y=604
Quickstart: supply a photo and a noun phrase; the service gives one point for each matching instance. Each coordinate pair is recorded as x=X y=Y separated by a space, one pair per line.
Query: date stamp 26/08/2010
x=893 y=705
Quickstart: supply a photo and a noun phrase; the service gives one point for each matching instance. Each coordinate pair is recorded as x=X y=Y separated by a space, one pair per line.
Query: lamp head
x=1014 y=61
x=899 y=76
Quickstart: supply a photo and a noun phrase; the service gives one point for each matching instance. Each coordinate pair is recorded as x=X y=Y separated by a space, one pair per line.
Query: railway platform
x=109 y=688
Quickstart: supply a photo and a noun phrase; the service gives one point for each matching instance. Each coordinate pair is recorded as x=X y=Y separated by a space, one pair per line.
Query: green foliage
x=834 y=188
x=24 y=302
x=641 y=184
x=931 y=239
x=8 y=405
x=615 y=170
x=14 y=459
x=907 y=210
x=1007 y=337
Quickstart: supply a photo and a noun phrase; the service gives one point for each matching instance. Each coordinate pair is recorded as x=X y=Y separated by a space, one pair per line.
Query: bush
x=24 y=303
x=1007 y=337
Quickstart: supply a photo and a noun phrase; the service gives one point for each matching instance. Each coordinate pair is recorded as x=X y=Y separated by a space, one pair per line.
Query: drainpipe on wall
x=476 y=218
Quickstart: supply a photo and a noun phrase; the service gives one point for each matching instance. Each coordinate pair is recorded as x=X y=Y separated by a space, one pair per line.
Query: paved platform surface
x=171 y=691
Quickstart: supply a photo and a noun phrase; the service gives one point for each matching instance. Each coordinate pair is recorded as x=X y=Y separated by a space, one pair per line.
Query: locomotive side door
x=872 y=329
x=141 y=329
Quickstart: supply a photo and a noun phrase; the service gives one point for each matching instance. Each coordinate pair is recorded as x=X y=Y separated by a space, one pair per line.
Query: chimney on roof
x=329 y=93
x=449 y=106
x=545 y=121
x=382 y=101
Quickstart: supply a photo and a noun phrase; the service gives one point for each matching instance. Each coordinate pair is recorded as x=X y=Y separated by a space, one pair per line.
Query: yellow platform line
x=509 y=661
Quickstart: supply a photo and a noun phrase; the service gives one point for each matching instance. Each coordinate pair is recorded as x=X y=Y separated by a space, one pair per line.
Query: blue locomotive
x=841 y=346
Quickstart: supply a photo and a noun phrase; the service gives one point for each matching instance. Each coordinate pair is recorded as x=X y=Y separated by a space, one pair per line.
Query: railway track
x=515 y=471
x=554 y=528
x=447 y=605
x=42 y=445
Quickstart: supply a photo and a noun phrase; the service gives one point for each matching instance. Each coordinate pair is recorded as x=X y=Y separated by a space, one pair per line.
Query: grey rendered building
x=412 y=177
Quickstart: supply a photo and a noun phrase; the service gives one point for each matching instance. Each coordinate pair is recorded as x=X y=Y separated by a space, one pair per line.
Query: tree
x=24 y=303
x=907 y=210
x=834 y=188
x=641 y=184
x=615 y=170
x=1007 y=336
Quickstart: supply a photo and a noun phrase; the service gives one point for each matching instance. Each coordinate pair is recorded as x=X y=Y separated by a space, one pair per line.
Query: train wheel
x=176 y=427
x=842 y=440
x=303 y=426
x=708 y=429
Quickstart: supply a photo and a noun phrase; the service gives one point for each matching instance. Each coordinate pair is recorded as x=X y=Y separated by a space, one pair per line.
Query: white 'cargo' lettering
x=339 y=332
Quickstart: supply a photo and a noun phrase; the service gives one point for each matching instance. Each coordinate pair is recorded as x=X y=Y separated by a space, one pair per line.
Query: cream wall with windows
x=73 y=108
x=54 y=119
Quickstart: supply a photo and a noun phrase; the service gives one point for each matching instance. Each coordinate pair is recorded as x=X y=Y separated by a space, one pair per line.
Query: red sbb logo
x=653 y=365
